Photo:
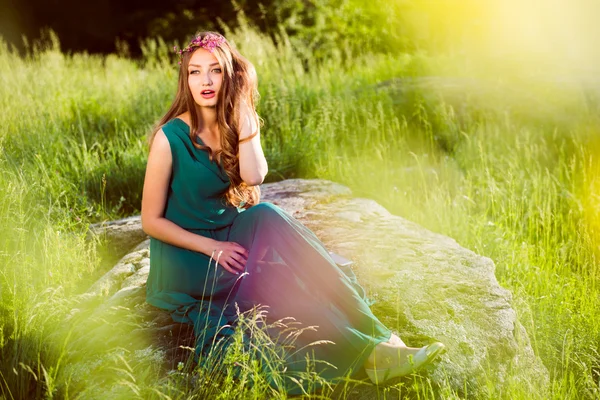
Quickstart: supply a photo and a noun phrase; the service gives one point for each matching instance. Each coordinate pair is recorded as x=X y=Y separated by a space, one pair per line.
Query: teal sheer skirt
x=289 y=273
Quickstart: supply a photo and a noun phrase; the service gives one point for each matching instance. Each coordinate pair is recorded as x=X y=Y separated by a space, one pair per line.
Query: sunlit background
x=476 y=119
x=552 y=38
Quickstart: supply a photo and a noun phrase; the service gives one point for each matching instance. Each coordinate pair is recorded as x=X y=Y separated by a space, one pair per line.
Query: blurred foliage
x=506 y=166
x=316 y=28
x=319 y=27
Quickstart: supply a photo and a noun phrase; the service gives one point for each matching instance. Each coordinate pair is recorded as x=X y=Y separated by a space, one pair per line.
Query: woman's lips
x=208 y=94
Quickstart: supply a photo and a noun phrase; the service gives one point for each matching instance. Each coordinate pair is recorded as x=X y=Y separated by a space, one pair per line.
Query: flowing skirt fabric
x=290 y=272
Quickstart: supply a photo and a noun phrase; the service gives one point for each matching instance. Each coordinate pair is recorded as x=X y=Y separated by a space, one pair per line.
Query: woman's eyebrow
x=196 y=65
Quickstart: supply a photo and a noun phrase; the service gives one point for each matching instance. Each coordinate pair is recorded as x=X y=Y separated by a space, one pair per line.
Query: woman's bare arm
x=154 y=200
x=253 y=165
x=231 y=255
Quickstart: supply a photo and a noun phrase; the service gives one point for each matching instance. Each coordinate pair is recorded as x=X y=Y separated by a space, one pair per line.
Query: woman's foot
x=395 y=340
x=388 y=355
x=388 y=361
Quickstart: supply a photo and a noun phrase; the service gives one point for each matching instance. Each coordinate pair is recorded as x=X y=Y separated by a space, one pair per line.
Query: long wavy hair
x=239 y=85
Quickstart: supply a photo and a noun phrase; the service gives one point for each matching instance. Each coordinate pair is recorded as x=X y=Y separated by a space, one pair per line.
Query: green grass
x=510 y=169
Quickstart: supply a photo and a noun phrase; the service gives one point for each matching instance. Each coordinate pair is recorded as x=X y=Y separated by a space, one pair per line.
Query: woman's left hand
x=231 y=256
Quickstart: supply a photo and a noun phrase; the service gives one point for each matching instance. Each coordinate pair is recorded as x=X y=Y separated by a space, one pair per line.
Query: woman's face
x=205 y=76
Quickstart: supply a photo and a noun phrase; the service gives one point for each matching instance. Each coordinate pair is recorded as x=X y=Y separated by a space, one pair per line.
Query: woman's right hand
x=232 y=257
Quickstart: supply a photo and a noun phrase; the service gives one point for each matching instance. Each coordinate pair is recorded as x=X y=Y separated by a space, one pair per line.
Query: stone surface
x=122 y=234
x=425 y=285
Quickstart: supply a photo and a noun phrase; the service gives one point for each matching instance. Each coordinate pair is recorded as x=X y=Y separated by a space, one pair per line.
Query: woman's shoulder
x=185 y=118
x=170 y=124
x=175 y=127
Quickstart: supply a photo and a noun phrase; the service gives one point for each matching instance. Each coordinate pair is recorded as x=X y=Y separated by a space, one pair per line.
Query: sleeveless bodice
x=196 y=198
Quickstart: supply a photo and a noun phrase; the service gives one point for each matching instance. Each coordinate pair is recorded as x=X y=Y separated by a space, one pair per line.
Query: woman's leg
x=301 y=280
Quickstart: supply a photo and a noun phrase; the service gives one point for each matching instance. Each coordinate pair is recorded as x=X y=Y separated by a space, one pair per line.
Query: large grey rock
x=425 y=285
x=122 y=234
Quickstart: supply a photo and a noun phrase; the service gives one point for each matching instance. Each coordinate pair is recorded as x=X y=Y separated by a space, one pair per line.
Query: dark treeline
x=318 y=27
x=97 y=26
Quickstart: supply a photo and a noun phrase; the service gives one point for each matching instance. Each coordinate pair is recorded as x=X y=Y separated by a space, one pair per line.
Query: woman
x=215 y=247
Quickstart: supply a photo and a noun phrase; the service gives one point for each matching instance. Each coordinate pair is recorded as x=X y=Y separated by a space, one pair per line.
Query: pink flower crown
x=209 y=42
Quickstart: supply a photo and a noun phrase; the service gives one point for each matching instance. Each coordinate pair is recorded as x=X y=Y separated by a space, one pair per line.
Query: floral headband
x=209 y=42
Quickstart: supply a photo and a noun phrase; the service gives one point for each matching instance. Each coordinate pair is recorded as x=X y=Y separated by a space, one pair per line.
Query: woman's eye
x=195 y=71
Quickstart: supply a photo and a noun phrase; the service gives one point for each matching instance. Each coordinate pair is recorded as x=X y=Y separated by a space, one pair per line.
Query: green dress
x=288 y=269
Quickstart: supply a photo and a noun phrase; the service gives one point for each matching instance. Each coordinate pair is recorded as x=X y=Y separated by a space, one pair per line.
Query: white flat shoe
x=395 y=340
x=423 y=357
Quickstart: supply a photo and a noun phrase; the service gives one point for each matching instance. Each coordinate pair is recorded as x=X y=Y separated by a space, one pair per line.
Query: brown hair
x=239 y=85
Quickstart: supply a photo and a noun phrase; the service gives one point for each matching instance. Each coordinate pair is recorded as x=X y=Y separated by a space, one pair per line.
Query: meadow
x=509 y=167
